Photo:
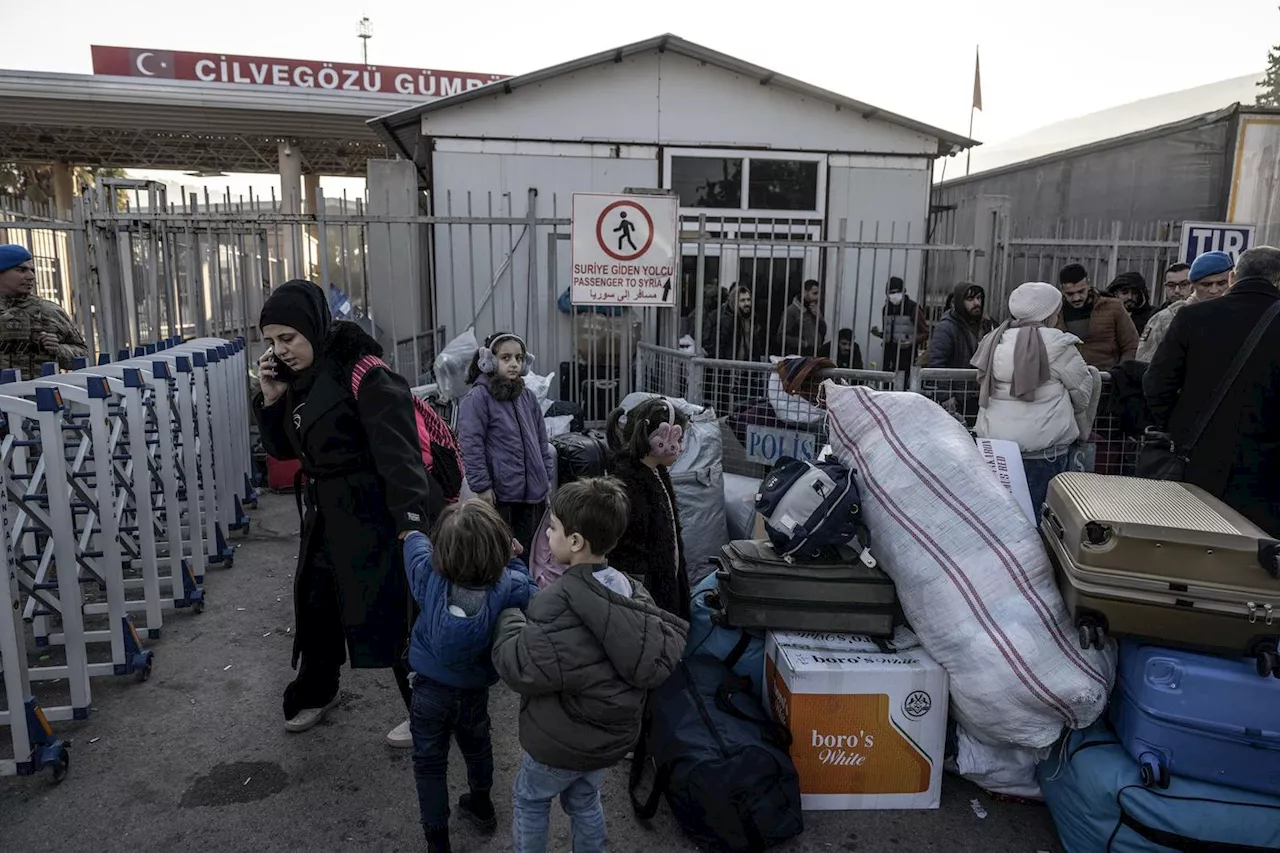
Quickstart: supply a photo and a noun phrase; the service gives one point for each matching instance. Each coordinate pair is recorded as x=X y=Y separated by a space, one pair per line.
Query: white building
x=763 y=156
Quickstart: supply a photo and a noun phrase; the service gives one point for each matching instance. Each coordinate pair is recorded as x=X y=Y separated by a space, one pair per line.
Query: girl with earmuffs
x=503 y=436
x=646 y=441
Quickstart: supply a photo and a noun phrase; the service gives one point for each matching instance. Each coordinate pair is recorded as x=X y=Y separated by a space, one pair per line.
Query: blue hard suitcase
x=1099 y=805
x=1198 y=717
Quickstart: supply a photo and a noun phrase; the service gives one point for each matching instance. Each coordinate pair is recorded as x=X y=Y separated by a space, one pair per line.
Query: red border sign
x=617 y=256
x=290 y=73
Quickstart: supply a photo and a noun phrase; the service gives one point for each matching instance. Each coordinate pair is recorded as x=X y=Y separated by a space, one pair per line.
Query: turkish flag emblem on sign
x=151 y=63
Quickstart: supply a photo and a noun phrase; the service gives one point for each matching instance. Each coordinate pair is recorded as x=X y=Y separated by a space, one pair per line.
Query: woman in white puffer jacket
x=1035 y=386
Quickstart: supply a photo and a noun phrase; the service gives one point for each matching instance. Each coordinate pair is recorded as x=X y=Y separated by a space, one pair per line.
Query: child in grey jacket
x=582 y=659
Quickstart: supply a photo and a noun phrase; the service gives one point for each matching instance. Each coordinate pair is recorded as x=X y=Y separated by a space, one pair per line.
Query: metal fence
x=1013 y=251
x=140 y=260
x=760 y=422
x=1108 y=449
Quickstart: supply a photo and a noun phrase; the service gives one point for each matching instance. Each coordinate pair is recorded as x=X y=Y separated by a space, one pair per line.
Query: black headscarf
x=301 y=305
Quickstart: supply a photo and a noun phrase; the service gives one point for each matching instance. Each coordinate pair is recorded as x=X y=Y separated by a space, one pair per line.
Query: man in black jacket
x=955 y=336
x=1238 y=456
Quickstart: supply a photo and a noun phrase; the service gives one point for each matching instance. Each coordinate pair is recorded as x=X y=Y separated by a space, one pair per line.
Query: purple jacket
x=504 y=445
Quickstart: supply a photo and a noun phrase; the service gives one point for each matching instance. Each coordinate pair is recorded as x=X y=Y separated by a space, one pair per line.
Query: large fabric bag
x=972 y=575
x=440 y=454
x=723 y=765
x=1098 y=802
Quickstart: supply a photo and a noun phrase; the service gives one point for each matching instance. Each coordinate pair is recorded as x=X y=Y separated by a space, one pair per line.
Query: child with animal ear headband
x=648 y=440
x=504 y=437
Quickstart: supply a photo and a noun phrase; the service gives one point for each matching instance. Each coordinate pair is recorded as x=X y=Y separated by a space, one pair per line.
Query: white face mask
x=896 y=298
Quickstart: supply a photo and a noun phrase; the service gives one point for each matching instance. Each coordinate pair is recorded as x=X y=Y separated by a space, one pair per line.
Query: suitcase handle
x=1055 y=525
x=1269 y=557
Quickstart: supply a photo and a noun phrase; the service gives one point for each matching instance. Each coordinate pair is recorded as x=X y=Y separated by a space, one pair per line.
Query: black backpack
x=722 y=764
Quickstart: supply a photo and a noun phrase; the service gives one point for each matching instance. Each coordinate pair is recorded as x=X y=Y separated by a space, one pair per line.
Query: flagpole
x=968 y=153
x=974 y=106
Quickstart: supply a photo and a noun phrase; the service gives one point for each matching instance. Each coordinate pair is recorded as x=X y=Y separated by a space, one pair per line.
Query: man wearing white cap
x=1034 y=386
x=1210 y=277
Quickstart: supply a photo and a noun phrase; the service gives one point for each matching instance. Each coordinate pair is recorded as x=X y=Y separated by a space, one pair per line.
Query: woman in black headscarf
x=367 y=488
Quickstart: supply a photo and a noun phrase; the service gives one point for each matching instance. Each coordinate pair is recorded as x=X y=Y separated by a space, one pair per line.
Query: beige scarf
x=1030 y=360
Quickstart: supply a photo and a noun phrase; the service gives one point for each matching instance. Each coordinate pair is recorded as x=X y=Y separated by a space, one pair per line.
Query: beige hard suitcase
x=1163 y=562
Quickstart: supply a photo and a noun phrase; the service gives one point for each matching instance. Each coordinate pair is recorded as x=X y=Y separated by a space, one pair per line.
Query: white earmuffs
x=487 y=359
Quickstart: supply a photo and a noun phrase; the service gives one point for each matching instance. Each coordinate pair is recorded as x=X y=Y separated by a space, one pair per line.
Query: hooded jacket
x=955 y=337
x=504 y=445
x=1049 y=419
x=582 y=660
x=455 y=650
x=1142 y=314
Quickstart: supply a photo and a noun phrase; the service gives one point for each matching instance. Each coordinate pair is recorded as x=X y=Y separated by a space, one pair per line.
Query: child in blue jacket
x=462 y=578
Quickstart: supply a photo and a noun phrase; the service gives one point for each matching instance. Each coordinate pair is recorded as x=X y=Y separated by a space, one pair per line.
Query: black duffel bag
x=722 y=765
x=580 y=455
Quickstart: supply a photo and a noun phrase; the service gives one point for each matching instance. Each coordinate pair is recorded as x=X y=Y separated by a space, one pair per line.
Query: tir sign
x=1201 y=237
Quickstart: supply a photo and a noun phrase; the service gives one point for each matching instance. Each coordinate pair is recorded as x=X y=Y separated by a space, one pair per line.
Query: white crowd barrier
x=120 y=482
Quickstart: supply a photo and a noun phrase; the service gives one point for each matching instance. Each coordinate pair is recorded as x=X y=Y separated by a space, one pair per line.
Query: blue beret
x=11 y=256
x=1210 y=263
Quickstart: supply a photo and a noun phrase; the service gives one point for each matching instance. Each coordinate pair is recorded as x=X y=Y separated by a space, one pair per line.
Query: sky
x=1041 y=61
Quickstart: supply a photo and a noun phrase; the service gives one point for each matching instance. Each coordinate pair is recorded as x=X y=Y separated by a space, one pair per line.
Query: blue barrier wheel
x=61 y=765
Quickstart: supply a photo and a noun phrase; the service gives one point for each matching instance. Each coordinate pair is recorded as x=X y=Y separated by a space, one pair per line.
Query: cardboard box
x=868 y=726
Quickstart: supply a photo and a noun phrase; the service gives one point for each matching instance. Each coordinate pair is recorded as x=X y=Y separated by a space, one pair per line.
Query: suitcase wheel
x=1092 y=635
x=1268 y=663
x=1154 y=773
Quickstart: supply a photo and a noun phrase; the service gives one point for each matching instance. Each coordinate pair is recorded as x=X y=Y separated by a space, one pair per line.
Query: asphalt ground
x=197 y=757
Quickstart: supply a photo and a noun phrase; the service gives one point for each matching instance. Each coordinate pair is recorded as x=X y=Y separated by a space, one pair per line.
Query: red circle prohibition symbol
x=600 y=240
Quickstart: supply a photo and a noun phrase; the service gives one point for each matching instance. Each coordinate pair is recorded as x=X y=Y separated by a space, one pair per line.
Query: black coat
x=1238 y=457
x=367 y=484
x=645 y=550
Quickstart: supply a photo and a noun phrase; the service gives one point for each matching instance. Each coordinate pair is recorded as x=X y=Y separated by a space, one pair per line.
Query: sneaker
x=400 y=737
x=308 y=717
x=478 y=808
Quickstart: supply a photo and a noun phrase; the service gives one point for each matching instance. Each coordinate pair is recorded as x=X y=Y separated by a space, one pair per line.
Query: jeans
x=1039 y=472
x=439 y=712
x=579 y=793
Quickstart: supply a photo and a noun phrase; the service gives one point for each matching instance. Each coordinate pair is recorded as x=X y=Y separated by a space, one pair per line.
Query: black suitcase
x=837 y=593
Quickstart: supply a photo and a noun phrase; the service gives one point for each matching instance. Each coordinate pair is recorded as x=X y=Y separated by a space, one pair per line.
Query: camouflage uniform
x=22 y=320
x=1158 y=326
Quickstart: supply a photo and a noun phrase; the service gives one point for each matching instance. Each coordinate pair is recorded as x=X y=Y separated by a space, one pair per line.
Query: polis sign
x=288 y=73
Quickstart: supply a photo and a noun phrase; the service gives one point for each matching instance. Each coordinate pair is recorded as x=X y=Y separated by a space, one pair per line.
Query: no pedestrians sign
x=625 y=250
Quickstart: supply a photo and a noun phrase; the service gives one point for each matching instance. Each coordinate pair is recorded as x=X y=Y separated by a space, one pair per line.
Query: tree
x=1270 y=84
x=34 y=183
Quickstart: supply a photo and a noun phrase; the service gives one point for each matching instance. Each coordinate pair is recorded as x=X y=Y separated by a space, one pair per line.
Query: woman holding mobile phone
x=367 y=489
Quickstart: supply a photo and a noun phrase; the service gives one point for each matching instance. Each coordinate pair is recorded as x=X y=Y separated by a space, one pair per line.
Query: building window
x=708 y=182
x=783 y=185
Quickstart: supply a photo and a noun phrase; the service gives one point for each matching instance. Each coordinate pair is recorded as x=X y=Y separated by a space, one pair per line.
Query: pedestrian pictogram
x=624 y=249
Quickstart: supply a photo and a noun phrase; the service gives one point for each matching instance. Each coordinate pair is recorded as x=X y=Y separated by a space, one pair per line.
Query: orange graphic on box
x=848 y=744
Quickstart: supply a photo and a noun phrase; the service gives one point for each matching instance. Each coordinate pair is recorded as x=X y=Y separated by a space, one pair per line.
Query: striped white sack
x=971 y=572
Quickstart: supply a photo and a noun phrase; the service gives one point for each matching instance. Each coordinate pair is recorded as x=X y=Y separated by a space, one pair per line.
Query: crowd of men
x=1164 y=360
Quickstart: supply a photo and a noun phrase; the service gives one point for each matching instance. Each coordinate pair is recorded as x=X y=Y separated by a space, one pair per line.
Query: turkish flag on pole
x=977 y=81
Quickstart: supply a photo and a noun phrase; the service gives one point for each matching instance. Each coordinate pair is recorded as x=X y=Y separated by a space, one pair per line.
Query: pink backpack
x=440 y=453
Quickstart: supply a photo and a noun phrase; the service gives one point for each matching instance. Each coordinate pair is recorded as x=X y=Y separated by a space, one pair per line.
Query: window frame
x=747 y=155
